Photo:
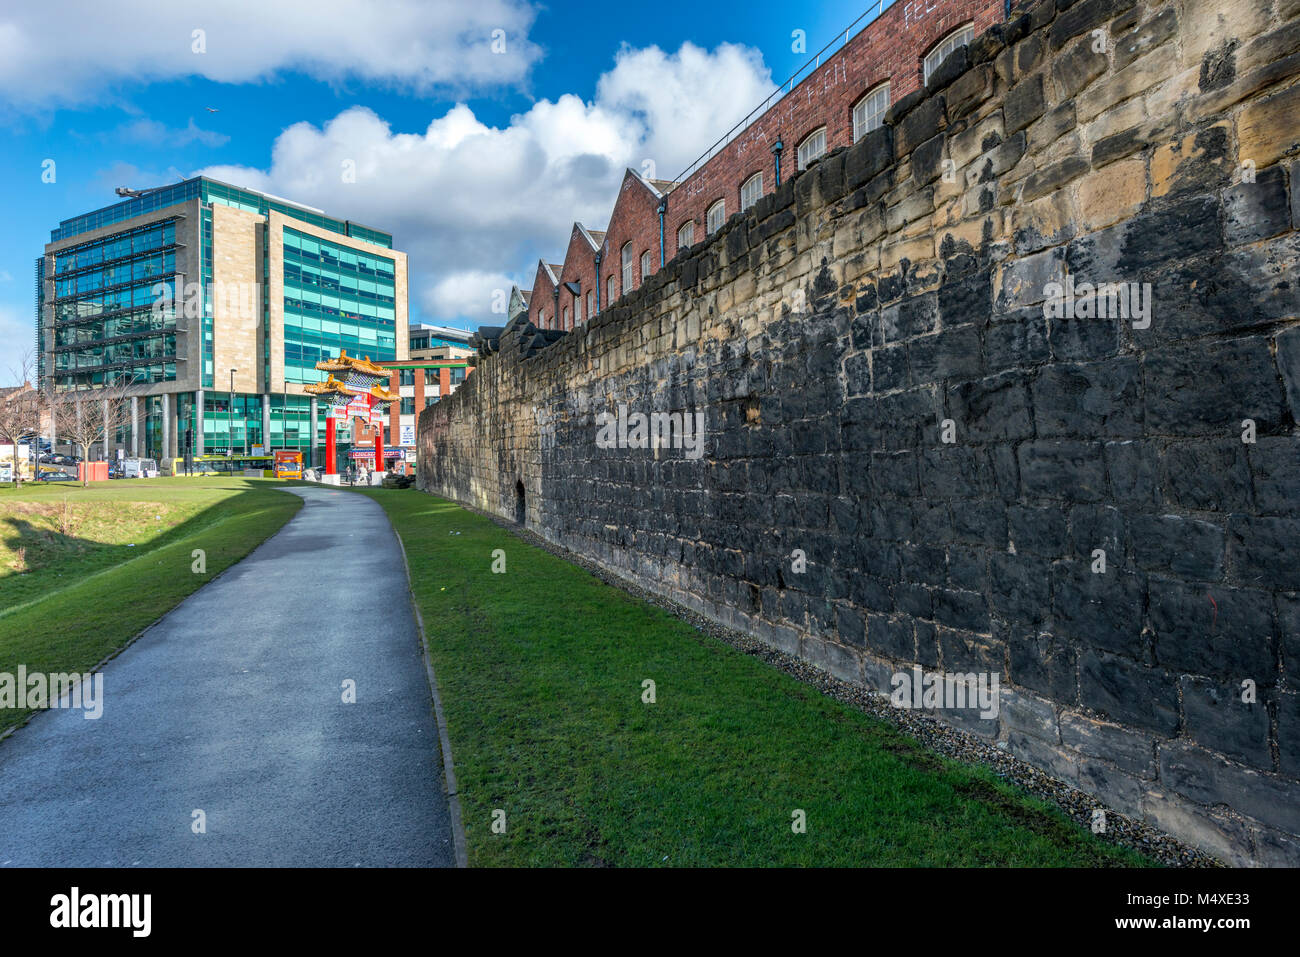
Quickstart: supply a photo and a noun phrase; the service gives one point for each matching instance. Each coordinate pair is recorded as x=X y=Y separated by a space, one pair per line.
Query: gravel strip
x=945 y=739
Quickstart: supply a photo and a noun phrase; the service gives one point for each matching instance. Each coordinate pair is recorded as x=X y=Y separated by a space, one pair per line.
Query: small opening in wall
x=521 y=507
x=752 y=416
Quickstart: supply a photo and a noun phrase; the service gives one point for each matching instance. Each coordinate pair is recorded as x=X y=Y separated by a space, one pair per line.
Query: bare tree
x=21 y=409
x=89 y=416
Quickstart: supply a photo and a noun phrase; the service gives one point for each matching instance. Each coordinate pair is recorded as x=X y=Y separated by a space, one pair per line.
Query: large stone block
x=1024 y=104
x=1218 y=718
x=1103 y=610
x=1129 y=693
x=1194 y=163
x=996 y=409
x=1187 y=547
x=1263 y=551
x=1209 y=779
x=1257 y=210
x=1062 y=469
x=1085 y=16
x=1213 y=387
x=1266 y=128
x=1275 y=474
x=1043 y=663
x=1130 y=750
x=1020 y=589
x=1093 y=400
x=1214 y=630
x=1112 y=193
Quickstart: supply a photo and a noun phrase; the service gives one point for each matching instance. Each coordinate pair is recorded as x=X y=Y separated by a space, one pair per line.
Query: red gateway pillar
x=379 y=445
x=331 y=455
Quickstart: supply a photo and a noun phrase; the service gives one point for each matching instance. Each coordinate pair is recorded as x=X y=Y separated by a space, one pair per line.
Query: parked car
x=115 y=470
x=56 y=476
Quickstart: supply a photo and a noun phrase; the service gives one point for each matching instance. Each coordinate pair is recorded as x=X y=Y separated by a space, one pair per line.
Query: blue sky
x=476 y=159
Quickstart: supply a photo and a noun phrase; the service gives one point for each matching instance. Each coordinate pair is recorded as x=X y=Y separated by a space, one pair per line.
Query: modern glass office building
x=214 y=304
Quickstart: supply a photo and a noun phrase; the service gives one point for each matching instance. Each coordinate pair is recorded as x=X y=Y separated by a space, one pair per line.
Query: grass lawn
x=540 y=671
x=84 y=570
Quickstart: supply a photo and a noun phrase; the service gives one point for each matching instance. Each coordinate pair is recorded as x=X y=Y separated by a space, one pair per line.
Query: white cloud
x=152 y=133
x=685 y=101
x=464 y=293
x=476 y=205
x=69 y=51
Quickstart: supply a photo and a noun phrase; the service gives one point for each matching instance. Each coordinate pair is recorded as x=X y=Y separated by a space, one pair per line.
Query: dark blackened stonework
x=837 y=332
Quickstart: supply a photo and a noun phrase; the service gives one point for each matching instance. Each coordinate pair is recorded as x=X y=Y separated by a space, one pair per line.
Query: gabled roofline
x=591 y=241
x=658 y=194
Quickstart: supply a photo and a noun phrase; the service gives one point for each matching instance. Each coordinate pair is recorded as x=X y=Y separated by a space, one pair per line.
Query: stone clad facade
x=904 y=380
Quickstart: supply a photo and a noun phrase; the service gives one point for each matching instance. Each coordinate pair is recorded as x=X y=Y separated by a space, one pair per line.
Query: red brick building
x=839 y=101
x=577 y=278
x=880 y=65
x=631 y=251
x=543 y=301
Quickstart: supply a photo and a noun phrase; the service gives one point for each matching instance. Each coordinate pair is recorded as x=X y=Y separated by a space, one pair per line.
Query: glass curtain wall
x=335 y=298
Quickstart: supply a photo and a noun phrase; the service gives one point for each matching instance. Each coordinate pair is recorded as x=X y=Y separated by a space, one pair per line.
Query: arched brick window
x=811 y=147
x=869 y=112
x=939 y=52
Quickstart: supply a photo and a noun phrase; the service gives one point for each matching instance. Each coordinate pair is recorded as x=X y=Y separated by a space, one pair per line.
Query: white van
x=139 y=468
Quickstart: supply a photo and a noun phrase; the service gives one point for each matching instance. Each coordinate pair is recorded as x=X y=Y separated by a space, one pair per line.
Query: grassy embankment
x=540 y=670
x=85 y=570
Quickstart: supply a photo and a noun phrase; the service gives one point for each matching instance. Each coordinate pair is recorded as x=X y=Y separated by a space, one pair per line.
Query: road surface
x=232 y=705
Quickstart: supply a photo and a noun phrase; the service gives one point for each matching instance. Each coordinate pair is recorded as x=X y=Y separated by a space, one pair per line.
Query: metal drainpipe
x=555 y=293
x=663 y=208
x=777 y=147
x=598 y=282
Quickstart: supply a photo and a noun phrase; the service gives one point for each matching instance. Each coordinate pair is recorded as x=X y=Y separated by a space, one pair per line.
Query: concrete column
x=135 y=426
x=266 y=420
x=311 y=441
x=197 y=423
x=168 y=449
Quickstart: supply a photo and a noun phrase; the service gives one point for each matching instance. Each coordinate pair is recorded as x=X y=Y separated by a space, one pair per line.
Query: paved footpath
x=233 y=705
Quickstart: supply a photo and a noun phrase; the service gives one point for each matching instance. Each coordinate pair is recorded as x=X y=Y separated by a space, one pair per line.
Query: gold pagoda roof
x=332 y=386
x=347 y=363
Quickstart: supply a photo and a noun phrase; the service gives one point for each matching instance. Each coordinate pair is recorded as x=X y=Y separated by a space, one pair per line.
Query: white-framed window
x=577 y=310
x=958 y=38
x=645 y=265
x=566 y=319
x=716 y=216
x=869 y=112
x=812 y=147
x=591 y=303
x=541 y=318
x=751 y=191
x=626 y=257
x=686 y=235
x=609 y=291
